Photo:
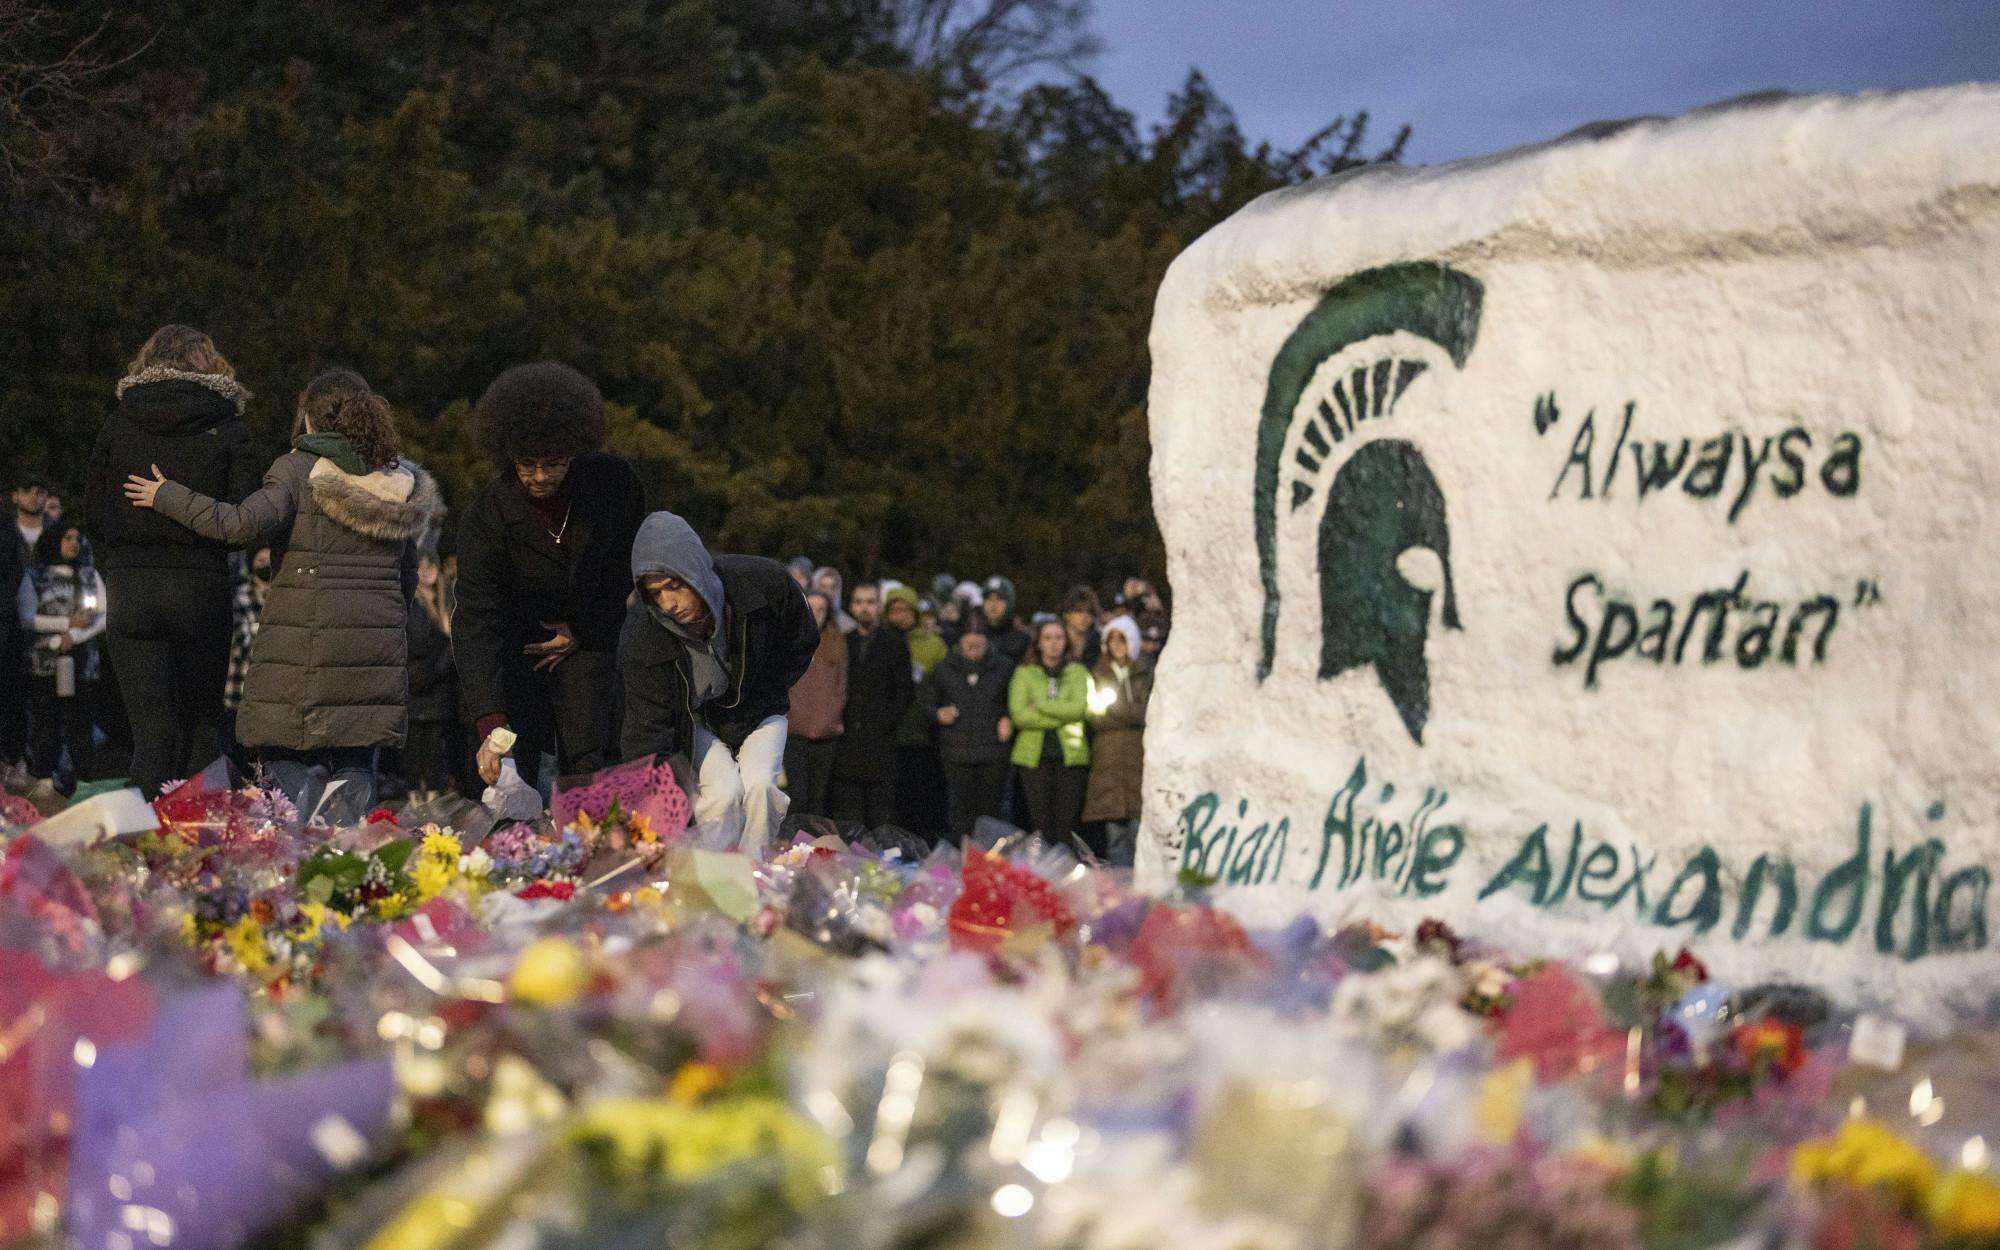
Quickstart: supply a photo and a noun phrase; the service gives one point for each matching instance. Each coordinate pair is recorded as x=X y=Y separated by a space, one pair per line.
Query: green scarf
x=334 y=447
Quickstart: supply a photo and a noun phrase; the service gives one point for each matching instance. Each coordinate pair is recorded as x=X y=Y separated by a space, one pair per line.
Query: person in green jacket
x=1048 y=697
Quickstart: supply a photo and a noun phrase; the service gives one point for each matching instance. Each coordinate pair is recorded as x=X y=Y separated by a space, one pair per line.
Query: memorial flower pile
x=590 y=1030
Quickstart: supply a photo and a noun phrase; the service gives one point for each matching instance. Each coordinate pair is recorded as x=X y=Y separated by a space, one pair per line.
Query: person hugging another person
x=544 y=571
x=61 y=605
x=1047 y=699
x=342 y=511
x=709 y=654
x=1120 y=685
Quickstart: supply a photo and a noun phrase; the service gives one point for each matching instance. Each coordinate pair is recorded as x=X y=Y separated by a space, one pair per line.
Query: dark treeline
x=867 y=279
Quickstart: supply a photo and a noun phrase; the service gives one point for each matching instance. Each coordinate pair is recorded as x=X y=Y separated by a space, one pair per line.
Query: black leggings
x=169 y=637
x=1055 y=798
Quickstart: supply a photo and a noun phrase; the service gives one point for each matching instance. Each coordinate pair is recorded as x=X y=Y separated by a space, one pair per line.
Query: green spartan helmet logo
x=1383 y=499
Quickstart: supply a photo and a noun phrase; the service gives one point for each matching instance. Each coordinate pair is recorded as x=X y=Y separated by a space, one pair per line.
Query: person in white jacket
x=61 y=605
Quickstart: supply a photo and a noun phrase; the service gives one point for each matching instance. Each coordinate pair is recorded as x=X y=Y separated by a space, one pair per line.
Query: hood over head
x=666 y=545
x=1002 y=586
x=168 y=401
x=1130 y=628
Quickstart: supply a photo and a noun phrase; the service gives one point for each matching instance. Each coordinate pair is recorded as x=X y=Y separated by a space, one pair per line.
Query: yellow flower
x=392 y=906
x=641 y=829
x=551 y=972
x=1966 y=1206
x=693 y=1081
x=687 y=1142
x=189 y=931
x=1868 y=1153
x=432 y=877
x=583 y=824
x=312 y=918
x=439 y=844
x=246 y=942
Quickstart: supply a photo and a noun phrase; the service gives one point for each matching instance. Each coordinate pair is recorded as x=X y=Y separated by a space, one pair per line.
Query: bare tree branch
x=49 y=82
x=980 y=44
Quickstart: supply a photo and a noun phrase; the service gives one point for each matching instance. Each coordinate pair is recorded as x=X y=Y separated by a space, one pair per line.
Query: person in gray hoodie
x=710 y=650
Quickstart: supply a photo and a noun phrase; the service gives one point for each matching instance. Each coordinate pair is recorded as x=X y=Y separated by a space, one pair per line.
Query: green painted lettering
x=1970 y=933
x=1591 y=872
x=1848 y=880
x=1530 y=863
x=1896 y=875
x=1782 y=875
x=1340 y=821
x=1707 y=909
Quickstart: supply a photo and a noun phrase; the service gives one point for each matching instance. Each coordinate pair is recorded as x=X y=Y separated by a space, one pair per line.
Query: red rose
x=1686 y=962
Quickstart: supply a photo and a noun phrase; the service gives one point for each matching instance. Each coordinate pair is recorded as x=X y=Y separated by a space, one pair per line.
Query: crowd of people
x=317 y=613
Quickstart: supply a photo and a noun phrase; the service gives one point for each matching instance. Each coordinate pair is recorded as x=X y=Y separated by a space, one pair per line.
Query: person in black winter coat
x=880 y=685
x=967 y=696
x=709 y=654
x=180 y=412
x=428 y=744
x=544 y=559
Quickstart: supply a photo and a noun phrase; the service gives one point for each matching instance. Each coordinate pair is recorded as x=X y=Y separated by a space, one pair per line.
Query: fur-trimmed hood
x=396 y=503
x=227 y=387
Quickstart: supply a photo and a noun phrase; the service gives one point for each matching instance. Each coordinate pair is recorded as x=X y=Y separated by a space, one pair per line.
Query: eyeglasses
x=543 y=468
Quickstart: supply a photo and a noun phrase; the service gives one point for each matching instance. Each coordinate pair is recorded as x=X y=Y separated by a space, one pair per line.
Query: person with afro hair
x=544 y=569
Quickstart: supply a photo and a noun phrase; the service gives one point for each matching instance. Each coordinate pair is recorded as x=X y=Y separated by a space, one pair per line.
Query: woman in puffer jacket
x=342 y=512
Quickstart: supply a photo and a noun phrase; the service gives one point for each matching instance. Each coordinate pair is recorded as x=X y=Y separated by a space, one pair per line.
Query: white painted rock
x=1594 y=546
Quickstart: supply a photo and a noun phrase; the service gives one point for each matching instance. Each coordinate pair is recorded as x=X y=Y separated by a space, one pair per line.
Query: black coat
x=197 y=437
x=880 y=686
x=974 y=738
x=433 y=684
x=772 y=637
x=1009 y=639
x=512 y=576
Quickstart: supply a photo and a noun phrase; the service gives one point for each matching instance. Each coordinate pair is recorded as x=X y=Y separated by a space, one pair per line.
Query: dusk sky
x=1475 y=76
